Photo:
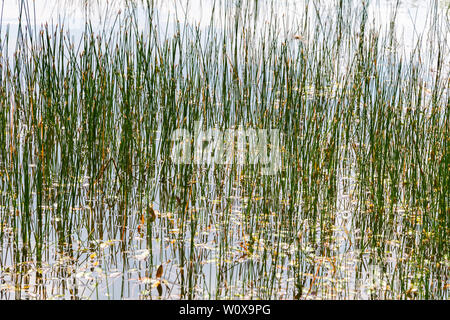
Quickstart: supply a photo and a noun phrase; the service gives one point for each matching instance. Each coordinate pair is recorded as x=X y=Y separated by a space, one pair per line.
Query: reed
x=91 y=197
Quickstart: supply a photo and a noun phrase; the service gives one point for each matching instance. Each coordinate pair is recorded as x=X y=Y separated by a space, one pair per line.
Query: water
x=412 y=18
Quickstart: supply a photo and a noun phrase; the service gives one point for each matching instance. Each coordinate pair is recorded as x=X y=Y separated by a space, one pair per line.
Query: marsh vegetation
x=93 y=207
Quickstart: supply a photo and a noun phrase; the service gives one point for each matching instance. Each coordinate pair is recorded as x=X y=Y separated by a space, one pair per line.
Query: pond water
x=412 y=17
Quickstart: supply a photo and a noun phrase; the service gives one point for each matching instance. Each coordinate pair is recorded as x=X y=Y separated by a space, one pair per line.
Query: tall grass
x=91 y=198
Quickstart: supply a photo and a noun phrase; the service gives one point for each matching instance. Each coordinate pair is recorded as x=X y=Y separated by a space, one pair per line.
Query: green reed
x=88 y=188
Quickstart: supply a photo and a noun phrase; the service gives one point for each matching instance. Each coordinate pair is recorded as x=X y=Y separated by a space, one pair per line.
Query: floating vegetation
x=92 y=205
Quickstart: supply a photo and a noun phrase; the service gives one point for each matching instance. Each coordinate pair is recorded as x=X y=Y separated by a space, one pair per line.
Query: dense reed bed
x=92 y=206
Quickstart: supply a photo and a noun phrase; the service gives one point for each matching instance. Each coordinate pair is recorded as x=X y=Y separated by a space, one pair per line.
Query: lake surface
x=411 y=19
